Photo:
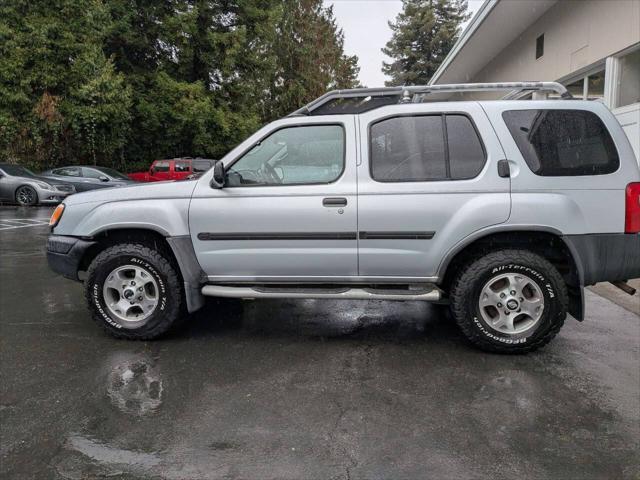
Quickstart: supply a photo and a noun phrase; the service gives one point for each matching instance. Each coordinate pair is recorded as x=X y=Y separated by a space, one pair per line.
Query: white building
x=591 y=46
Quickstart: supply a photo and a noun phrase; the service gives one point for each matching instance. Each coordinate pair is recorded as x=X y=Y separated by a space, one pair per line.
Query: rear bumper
x=64 y=254
x=605 y=257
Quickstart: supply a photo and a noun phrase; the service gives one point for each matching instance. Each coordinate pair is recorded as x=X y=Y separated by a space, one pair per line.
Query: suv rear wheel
x=134 y=292
x=509 y=301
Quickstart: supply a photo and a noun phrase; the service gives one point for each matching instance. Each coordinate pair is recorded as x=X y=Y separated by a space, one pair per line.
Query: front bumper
x=605 y=257
x=52 y=196
x=64 y=254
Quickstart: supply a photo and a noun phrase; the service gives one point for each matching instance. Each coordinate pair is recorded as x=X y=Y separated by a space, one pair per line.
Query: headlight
x=43 y=185
x=55 y=216
x=65 y=188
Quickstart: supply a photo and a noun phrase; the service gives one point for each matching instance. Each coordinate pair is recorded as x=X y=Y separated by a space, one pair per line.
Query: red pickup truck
x=173 y=169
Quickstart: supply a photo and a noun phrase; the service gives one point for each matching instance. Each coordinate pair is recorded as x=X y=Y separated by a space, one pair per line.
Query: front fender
x=168 y=217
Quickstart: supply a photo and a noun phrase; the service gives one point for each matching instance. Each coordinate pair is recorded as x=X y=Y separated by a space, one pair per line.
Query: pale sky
x=366 y=31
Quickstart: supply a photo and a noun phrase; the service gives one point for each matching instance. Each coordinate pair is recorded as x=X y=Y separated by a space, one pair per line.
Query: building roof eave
x=495 y=26
x=466 y=35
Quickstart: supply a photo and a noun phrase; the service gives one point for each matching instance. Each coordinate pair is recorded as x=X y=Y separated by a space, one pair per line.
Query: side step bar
x=429 y=294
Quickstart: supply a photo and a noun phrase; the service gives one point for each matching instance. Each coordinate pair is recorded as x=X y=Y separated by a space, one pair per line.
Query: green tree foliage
x=123 y=82
x=307 y=40
x=423 y=34
x=60 y=96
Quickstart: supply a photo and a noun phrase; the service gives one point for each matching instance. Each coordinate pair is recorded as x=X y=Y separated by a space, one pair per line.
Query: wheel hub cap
x=25 y=195
x=131 y=295
x=511 y=303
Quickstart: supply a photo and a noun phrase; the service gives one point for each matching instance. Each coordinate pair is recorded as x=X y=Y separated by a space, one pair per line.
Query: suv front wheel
x=509 y=301
x=133 y=292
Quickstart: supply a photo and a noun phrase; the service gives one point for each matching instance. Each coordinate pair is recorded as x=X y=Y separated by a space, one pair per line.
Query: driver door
x=288 y=211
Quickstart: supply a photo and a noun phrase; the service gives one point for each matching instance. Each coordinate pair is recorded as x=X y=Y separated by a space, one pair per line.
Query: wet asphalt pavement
x=301 y=389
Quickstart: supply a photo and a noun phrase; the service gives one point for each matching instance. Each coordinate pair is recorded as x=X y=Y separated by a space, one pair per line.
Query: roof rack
x=346 y=101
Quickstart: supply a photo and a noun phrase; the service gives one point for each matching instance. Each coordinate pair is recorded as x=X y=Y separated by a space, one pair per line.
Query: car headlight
x=65 y=188
x=44 y=185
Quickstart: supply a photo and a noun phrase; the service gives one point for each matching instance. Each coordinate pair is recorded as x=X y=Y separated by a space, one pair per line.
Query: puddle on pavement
x=134 y=384
x=102 y=453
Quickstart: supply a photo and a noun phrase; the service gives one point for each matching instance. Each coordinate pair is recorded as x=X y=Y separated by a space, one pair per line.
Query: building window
x=588 y=87
x=595 y=86
x=629 y=86
x=540 y=46
x=576 y=88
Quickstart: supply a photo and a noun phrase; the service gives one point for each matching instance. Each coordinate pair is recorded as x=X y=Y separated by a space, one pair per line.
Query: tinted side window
x=417 y=149
x=408 y=149
x=563 y=142
x=466 y=154
x=201 y=165
x=182 y=165
x=91 y=173
x=67 y=171
x=161 y=166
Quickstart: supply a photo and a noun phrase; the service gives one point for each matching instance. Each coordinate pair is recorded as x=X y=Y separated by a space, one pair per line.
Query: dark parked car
x=22 y=186
x=88 y=177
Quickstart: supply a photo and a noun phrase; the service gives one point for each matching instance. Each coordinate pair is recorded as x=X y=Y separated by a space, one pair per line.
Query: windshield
x=112 y=173
x=17 y=171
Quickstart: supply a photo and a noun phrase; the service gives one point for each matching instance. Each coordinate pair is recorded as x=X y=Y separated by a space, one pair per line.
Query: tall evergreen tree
x=310 y=58
x=60 y=95
x=123 y=82
x=423 y=34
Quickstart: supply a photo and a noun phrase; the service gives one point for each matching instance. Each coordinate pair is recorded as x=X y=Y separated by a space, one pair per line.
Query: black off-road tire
x=170 y=311
x=467 y=287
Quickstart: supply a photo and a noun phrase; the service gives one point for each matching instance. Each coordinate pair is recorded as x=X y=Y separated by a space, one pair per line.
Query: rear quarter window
x=563 y=142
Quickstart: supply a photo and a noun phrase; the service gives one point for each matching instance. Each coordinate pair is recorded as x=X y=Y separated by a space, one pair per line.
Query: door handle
x=503 y=169
x=334 y=202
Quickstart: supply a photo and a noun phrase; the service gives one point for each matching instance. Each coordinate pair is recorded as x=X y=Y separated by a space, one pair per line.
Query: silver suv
x=504 y=210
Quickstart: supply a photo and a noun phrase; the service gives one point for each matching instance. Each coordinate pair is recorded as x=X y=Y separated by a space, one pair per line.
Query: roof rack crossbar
x=416 y=93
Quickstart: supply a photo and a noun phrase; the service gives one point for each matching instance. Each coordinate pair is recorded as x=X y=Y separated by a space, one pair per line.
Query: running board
x=428 y=294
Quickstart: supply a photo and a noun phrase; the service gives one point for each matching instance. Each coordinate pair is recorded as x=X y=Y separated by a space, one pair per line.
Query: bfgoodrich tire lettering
x=467 y=290
x=169 y=308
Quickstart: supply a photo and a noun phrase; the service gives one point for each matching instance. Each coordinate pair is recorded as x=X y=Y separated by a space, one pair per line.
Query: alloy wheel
x=26 y=195
x=511 y=303
x=131 y=295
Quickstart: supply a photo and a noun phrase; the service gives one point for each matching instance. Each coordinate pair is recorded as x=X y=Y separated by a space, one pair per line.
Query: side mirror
x=103 y=178
x=219 y=177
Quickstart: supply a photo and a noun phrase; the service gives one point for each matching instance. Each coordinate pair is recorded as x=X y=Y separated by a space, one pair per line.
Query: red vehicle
x=173 y=169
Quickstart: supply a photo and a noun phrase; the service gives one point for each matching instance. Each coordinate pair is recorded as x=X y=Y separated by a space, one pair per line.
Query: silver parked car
x=22 y=186
x=85 y=178
x=505 y=210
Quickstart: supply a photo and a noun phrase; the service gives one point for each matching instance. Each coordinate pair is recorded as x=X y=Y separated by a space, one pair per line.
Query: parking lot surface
x=301 y=389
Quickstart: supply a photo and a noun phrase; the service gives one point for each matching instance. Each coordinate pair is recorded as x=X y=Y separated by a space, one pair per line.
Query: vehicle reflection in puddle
x=134 y=384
